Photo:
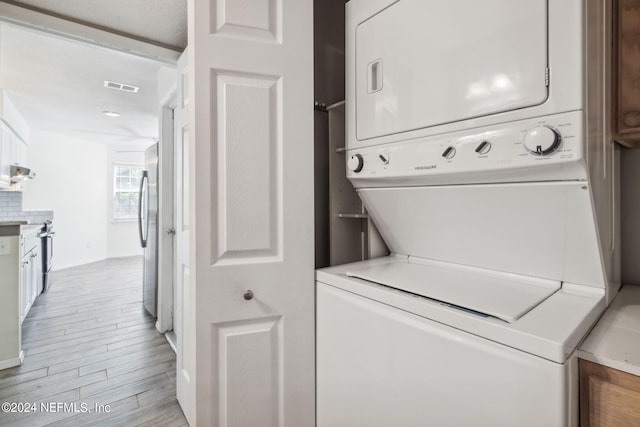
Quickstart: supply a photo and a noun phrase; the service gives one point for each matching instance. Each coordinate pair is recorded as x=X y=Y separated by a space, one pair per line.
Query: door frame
x=166 y=178
x=184 y=340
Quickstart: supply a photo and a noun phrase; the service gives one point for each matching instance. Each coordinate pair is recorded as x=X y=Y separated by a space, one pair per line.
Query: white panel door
x=185 y=385
x=252 y=251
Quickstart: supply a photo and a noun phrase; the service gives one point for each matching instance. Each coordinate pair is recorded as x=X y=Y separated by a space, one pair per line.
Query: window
x=126 y=185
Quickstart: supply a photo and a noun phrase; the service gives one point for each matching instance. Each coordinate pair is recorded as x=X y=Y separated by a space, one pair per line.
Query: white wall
x=75 y=180
x=122 y=236
x=72 y=181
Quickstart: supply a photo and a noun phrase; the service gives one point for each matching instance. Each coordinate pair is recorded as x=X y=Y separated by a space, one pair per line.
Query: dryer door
x=425 y=63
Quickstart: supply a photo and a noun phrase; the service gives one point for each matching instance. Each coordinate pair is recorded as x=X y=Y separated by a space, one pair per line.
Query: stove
x=46 y=240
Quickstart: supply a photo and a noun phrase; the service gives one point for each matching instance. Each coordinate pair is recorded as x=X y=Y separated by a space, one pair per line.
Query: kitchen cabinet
x=24 y=289
x=610 y=365
x=5 y=157
x=30 y=271
x=13 y=151
x=20 y=264
x=11 y=302
x=626 y=73
x=18 y=152
x=608 y=397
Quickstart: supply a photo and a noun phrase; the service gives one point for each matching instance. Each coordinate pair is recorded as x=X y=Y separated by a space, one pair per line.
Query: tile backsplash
x=11 y=209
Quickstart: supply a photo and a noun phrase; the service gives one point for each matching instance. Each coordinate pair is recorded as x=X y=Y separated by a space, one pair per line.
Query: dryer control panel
x=533 y=145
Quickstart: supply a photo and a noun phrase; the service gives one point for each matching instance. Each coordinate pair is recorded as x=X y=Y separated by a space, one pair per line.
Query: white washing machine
x=477 y=138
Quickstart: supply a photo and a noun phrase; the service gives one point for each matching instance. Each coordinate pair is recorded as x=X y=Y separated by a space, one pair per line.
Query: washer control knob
x=449 y=153
x=483 y=148
x=355 y=163
x=542 y=140
x=384 y=158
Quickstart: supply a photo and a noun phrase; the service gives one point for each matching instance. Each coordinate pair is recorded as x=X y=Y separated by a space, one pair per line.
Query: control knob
x=449 y=153
x=355 y=163
x=542 y=140
x=483 y=148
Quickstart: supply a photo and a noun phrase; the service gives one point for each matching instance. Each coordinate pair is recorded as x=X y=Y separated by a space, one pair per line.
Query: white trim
x=171 y=339
x=72 y=30
x=137 y=164
x=10 y=363
x=166 y=218
x=125 y=220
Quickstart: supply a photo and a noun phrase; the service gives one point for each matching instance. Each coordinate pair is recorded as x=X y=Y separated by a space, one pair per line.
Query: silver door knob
x=171 y=230
x=248 y=295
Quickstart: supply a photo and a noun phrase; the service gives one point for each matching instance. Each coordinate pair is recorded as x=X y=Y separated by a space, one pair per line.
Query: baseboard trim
x=171 y=339
x=10 y=363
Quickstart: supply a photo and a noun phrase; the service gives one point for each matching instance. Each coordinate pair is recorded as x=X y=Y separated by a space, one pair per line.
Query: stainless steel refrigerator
x=148 y=227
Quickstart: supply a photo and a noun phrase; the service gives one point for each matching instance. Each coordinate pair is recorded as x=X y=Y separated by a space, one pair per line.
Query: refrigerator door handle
x=144 y=183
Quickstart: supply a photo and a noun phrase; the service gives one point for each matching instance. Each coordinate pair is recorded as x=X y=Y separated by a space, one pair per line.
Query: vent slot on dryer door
x=375 y=76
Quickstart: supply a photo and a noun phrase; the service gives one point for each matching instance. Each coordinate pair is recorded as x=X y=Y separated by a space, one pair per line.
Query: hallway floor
x=88 y=341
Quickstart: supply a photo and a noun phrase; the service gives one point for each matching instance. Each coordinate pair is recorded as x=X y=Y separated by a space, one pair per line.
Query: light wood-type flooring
x=89 y=341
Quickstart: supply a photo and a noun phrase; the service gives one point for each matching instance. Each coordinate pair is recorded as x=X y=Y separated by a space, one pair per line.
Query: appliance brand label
x=427 y=167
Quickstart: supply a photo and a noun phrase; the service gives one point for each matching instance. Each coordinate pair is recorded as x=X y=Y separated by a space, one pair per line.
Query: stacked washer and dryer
x=478 y=139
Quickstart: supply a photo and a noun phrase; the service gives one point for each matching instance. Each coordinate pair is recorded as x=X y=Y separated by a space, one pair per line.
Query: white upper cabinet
x=14 y=132
x=5 y=156
x=13 y=151
x=19 y=152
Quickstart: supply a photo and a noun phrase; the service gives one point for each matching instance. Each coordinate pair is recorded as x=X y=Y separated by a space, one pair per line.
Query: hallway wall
x=72 y=181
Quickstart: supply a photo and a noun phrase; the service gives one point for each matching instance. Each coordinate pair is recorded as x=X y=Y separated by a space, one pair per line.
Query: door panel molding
x=253 y=19
x=248 y=358
x=249 y=138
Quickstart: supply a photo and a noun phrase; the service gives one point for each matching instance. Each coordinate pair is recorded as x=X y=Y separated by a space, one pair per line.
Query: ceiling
x=58 y=86
x=163 y=22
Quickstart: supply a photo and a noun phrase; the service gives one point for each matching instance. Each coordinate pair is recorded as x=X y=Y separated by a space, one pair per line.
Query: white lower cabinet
x=36 y=273
x=30 y=272
x=24 y=270
x=21 y=282
x=27 y=284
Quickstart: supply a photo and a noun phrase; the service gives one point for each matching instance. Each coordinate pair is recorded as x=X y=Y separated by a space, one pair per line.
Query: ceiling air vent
x=121 y=86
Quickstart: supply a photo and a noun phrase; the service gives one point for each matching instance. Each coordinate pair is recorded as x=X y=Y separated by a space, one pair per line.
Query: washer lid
x=502 y=295
x=538 y=229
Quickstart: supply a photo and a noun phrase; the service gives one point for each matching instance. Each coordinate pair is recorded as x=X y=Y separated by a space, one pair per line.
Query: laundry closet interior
x=475 y=212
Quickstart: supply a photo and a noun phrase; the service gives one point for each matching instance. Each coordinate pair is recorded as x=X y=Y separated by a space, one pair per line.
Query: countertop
x=8 y=223
x=615 y=340
x=18 y=227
